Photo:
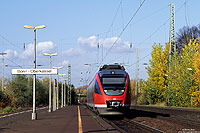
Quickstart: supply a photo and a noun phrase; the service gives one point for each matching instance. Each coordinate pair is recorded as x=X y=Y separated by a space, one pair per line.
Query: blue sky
x=74 y=27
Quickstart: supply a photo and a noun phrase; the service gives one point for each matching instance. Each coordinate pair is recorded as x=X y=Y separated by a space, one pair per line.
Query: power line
x=144 y=39
x=13 y=62
x=149 y=15
x=109 y=30
x=139 y=60
x=115 y=16
x=155 y=32
x=123 y=31
x=161 y=25
x=10 y=42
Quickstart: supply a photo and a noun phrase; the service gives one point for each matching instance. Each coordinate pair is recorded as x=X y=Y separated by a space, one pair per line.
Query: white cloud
x=91 y=43
x=73 y=52
x=11 y=54
x=45 y=46
x=41 y=48
x=108 y=42
x=64 y=63
x=28 y=52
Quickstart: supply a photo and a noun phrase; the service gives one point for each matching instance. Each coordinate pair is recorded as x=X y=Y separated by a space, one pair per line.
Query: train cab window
x=113 y=80
x=114 y=85
x=97 y=89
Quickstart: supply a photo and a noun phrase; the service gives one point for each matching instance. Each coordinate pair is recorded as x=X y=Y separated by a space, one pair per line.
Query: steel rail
x=129 y=123
x=143 y=126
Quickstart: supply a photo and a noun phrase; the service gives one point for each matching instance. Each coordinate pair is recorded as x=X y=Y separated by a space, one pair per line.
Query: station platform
x=70 y=119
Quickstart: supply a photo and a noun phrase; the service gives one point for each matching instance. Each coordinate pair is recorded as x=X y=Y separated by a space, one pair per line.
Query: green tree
x=42 y=90
x=19 y=91
x=158 y=70
x=181 y=84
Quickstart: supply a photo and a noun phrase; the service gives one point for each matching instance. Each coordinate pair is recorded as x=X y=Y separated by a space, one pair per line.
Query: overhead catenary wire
x=13 y=62
x=186 y=14
x=152 y=34
x=157 y=31
x=135 y=13
x=123 y=30
x=10 y=42
x=114 y=17
x=161 y=25
x=144 y=39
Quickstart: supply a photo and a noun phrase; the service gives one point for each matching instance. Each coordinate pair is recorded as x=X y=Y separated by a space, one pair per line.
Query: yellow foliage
x=158 y=68
x=196 y=98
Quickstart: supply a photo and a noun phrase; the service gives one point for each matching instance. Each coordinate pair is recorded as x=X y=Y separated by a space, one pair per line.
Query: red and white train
x=109 y=91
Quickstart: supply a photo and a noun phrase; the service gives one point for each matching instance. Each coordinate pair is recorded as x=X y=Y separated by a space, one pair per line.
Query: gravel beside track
x=129 y=126
x=166 y=119
x=125 y=125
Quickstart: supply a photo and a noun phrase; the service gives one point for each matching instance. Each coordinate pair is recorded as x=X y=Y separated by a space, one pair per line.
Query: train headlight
x=122 y=90
x=105 y=90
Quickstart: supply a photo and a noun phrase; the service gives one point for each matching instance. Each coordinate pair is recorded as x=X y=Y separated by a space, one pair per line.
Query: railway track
x=184 y=116
x=125 y=125
x=166 y=120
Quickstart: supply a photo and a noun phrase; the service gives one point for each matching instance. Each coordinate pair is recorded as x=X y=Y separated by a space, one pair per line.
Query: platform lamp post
x=46 y=54
x=65 y=87
x=62 y=93
x=34 y=114
x=57 y=91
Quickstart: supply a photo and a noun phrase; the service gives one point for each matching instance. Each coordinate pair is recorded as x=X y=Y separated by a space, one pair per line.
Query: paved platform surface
x=65 y=120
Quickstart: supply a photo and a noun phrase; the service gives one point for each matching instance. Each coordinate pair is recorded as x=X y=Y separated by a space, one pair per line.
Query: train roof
x=112 y=67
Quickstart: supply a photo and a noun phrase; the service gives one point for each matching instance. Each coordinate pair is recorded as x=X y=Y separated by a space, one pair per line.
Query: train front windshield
x=113 y=85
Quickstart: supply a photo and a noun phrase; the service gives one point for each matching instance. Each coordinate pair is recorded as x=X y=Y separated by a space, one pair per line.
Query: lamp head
x=29 y=27
x=40 y=27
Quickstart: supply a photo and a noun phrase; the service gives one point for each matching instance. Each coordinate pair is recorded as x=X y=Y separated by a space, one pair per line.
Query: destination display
x=34 y=71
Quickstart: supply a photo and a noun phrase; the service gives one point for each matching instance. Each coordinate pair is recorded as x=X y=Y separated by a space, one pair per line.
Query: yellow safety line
x=80 y=129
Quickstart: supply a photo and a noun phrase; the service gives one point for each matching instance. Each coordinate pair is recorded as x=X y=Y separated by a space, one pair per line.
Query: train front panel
x=112 y=92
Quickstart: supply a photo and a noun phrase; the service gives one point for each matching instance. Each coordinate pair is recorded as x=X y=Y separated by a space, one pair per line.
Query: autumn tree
x=157 y=70
x=19 y=91
x=185 y=34
x=196 y=77
x=181 y=85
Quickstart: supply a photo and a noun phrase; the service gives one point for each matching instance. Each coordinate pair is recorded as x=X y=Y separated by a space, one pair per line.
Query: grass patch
x=7 y=109
x=93 y=116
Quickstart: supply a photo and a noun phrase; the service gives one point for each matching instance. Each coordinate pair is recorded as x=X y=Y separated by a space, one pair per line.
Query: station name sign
x=34 y=71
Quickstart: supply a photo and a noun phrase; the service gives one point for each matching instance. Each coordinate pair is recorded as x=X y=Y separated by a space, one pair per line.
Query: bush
x=7 y=109
x=196 y=98
x=142 y=100
x=1 y=110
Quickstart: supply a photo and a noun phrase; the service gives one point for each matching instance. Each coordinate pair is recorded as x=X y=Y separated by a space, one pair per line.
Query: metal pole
x=69 y=84
x=62 y=96
x=102 y=52
x=65 y=94
x=2 y=80
x=54 y=95
x=57 y=92
x=34 y=114
x=136 y=80
x=172 y=42
x=2 y=73
x=50 y=88
x=98 y=51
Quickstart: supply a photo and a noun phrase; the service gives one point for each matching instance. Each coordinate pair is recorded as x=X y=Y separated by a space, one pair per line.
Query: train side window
x=129 y=87
x=97 y=89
